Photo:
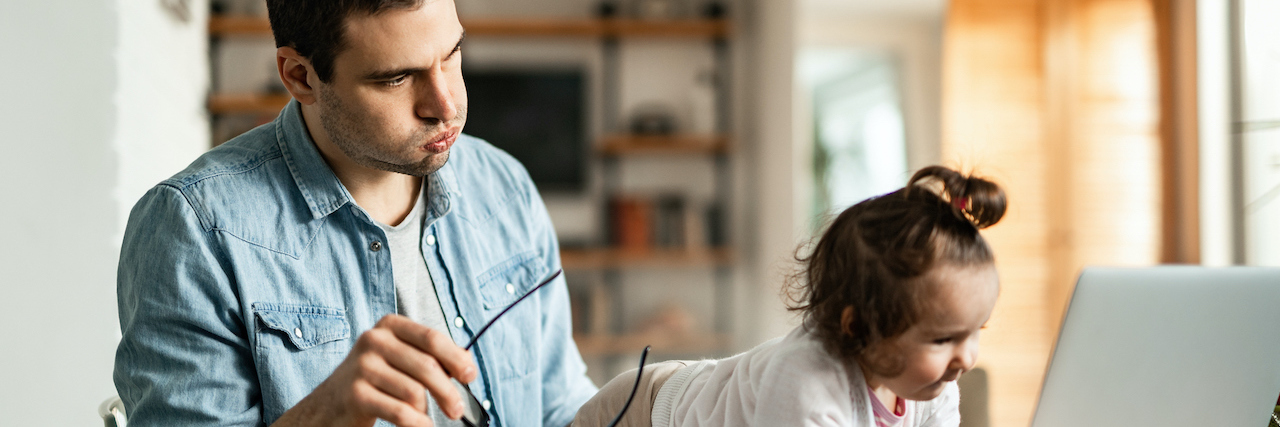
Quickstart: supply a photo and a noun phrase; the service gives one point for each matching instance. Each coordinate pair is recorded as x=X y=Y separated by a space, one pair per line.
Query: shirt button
x=457 y=321
x=486 y=404
x=297 y=332
x=431 y=240
x=375 y=246
x=511 y=289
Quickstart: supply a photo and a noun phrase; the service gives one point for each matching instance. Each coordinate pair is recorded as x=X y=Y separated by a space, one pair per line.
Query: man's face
x=396 y=101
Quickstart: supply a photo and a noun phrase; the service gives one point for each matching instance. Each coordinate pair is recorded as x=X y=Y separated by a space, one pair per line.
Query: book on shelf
x=664 y=221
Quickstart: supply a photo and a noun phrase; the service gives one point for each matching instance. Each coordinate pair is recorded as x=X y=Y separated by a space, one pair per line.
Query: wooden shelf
x=533 y=27
x=239 y=26
x=607 y=258
x=565 y=27
x=624 y=145
x=248 y=103
x=607 y=345
x=585 y=27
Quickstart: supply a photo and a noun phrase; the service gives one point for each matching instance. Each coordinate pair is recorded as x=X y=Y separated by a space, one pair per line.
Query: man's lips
x=442 y=143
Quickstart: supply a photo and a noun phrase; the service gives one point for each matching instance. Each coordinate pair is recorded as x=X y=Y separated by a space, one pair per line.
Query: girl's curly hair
x=874 y=257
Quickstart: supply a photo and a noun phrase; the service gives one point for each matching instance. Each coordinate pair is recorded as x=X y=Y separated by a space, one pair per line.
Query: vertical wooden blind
x=1063 y=102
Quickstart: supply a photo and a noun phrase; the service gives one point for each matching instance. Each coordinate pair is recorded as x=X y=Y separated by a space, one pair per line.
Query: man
x=261 y=285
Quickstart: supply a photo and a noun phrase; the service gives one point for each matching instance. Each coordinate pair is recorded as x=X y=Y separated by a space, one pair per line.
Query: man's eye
x=396 y=81
x=941 y=341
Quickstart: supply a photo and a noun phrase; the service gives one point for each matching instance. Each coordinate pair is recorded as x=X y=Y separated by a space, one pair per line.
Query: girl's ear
x=846 y=320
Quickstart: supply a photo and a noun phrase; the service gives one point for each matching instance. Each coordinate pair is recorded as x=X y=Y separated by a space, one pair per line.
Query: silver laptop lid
x=1166 y=346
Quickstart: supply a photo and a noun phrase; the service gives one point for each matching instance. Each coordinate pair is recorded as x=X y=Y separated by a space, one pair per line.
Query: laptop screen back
x=1166 y=346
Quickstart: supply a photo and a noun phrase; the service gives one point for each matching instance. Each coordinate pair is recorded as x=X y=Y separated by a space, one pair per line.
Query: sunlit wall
x=1058 y=102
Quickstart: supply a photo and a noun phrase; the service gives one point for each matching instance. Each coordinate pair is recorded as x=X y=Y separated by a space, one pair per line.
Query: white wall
x=163 y=79
x=775 y=167
x=58 y=312
x=65 y=179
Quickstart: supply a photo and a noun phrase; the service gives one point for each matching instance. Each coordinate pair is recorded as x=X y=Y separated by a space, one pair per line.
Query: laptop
x=1168 y=347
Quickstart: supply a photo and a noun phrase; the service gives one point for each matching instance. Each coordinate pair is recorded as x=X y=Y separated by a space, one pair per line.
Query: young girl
x=893 y=297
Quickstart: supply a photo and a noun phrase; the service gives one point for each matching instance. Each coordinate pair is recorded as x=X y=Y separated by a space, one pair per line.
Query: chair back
x=112 y=412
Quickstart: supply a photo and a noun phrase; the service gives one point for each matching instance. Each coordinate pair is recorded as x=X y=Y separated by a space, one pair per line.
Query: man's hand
x=388 y=375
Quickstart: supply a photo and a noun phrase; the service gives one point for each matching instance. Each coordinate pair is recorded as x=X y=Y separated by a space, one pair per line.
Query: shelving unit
x=604 y=335
x=622 y=259
x=247 y=103
x=619 y=145
x=554 y=27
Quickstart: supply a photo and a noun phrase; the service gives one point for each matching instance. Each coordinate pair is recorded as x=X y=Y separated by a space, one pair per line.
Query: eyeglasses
x=475 y=415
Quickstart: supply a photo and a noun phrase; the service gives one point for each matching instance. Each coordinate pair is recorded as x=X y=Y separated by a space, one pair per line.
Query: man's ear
x=297 y=74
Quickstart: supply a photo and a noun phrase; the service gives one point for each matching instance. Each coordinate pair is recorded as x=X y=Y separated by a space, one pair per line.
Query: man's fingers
x=393 y=382
x=455 y=361
x=374 y=402
x=428 y=373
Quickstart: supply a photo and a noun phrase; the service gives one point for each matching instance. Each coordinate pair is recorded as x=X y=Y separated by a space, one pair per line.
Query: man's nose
x=435 y=100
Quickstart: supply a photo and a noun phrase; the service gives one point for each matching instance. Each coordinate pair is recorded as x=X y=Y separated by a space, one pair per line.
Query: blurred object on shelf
x=716 y=228
x=632 y=219
x=607 y=9
x=713 y=10
x=655 y=9
x=671 y=320
x=664 y=221
x=653 y=119
x=669 y=221
x=629 y=259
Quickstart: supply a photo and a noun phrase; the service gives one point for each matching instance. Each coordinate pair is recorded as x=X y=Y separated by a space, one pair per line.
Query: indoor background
x=712 y=139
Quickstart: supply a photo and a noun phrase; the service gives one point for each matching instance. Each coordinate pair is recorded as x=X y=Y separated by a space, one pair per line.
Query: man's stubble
x=356 y=141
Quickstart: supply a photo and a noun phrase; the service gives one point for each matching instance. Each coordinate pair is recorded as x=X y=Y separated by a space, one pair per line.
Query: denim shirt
x=245 y=279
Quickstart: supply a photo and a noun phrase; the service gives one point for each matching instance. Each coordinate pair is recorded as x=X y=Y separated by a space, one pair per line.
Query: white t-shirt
x=416 y=296
x=787 y=381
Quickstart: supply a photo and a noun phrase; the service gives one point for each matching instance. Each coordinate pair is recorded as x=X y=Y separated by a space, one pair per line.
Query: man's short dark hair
x=315 y=28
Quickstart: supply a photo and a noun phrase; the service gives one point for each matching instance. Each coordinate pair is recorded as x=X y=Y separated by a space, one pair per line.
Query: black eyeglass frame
x=475 y=414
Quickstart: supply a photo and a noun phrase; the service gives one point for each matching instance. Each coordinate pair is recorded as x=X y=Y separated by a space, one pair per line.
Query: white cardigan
x=787 y=381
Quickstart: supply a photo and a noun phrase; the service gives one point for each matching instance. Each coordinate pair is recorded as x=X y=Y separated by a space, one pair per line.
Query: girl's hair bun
x=976 y=200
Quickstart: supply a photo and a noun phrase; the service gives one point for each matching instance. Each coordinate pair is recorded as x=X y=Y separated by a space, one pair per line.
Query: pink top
x=884 y=417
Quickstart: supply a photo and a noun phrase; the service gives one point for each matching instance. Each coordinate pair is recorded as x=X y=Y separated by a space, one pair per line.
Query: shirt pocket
x=517 y=335
x=504 y=283
x=296 y=348
x=300 y=327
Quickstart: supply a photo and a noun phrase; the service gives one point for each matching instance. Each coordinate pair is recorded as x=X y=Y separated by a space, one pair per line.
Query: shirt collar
x=317 y=183
x=320 y=186
x=442 y=188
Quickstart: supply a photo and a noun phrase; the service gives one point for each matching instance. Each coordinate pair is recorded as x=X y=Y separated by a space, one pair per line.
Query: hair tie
x=961 y=203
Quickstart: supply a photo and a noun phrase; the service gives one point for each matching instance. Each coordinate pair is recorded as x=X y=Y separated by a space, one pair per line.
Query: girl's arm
x=802 y=390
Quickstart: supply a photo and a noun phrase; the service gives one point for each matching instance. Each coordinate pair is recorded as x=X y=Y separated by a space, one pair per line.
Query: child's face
x=944 y=343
